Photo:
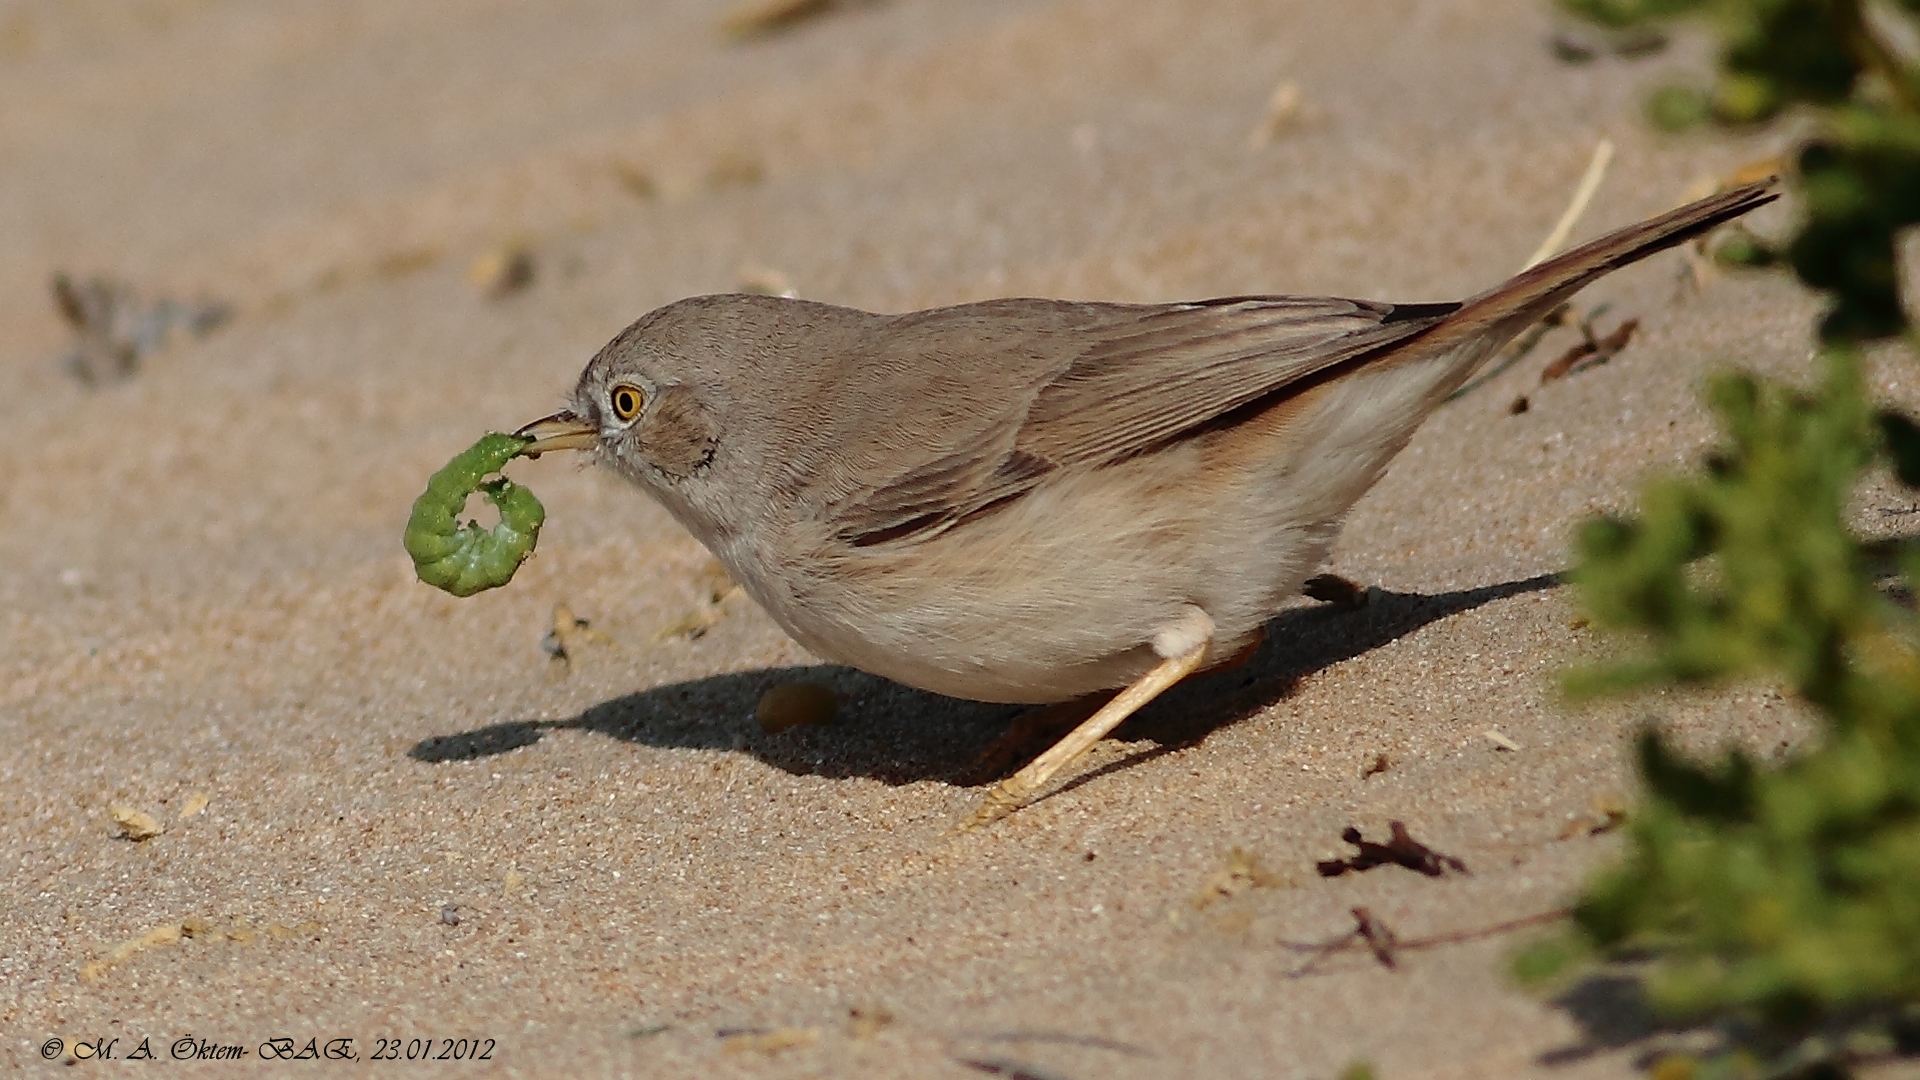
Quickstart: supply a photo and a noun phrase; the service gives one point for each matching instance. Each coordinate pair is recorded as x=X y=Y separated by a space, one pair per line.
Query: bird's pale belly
x=1022 y=611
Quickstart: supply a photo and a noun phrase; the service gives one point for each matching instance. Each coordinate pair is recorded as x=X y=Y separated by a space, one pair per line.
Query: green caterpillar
x=466 y=559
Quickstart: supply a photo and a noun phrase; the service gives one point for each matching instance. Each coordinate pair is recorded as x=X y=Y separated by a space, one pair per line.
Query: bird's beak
x=562 y=431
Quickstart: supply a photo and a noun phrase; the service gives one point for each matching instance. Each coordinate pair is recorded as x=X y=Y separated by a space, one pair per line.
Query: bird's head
x=641 y=406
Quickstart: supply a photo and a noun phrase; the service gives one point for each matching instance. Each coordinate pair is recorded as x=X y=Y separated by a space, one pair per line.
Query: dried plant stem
x=1582 y=195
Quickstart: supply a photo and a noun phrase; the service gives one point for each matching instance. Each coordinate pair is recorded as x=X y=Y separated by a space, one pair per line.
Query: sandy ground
x=389 y=815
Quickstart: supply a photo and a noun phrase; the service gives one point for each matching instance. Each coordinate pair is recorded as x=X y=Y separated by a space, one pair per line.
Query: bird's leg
x=1181 y=647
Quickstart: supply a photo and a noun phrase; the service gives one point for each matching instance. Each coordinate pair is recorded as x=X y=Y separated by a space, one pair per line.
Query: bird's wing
x=1132 y=379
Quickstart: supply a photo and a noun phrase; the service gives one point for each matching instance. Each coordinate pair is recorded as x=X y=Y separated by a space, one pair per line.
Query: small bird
x=1032 y=500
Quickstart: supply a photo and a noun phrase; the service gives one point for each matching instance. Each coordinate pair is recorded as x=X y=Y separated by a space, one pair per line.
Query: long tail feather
x=1533 y=292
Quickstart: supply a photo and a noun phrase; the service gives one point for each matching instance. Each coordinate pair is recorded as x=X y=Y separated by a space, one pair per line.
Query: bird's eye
x=626 y=401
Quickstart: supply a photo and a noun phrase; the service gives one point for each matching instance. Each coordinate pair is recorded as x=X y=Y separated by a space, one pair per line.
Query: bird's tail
x=1530 y=294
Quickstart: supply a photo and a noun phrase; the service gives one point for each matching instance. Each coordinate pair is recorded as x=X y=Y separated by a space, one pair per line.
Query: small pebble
x=637 y=181
x=136 y=825
x=765 y=281
x=768 y=1042
x=795 y=704
x=771 y=16
x=1282 y=108
x=867 y=1021
x=505 y=270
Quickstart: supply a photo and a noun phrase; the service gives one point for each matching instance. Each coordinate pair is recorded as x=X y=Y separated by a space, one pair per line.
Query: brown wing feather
x=1130 y=378
x=1188 y=364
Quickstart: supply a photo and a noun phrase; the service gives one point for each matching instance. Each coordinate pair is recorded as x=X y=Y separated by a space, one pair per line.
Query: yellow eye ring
x=626 y=401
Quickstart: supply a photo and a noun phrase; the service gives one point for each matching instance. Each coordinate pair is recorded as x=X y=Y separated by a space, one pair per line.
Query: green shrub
x=1784 y=899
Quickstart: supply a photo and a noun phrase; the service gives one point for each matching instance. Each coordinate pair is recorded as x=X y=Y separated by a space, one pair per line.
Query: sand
x=409 y=823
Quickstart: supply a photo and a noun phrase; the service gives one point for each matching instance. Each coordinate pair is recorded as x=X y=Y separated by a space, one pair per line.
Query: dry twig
x=1386 y=946
x=1591 y=351
x=1582 y=195
x=1401 y=849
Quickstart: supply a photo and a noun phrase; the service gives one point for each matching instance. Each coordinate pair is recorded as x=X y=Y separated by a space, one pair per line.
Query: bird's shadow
x=899 y=735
